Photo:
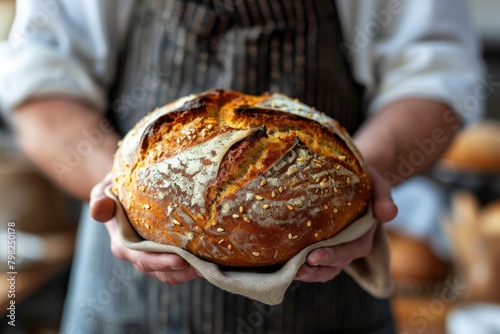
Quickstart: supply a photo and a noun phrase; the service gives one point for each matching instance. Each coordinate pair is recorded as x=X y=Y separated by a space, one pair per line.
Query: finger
x=177 y=277
x=102 y=209
x=342 y=255
x=384 y=208
x=144 y=261
x=149 y=261
x=98 y=190
x=317 y=274
x=112 y=228
x=330 y=257
x=305 y=270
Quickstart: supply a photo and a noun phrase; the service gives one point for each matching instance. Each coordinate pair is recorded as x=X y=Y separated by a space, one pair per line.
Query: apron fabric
x=178 y=47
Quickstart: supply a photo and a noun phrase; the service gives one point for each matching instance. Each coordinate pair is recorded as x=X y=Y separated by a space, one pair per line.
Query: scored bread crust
x=239 y=180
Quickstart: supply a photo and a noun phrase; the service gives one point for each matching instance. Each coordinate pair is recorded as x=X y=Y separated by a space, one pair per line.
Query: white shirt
x=398 y=48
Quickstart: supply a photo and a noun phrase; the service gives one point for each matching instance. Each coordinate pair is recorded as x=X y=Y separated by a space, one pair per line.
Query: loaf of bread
x=475 y=150
x=239 y=180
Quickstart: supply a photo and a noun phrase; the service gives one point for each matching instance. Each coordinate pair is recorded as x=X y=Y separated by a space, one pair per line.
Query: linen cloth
x=371 y=272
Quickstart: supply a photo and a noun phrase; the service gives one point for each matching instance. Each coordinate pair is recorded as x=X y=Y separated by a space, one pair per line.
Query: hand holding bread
x=239 y=150
x=240 y=180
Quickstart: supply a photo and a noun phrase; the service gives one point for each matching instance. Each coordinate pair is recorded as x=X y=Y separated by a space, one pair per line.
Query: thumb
x=384 y=208
x=102 y=208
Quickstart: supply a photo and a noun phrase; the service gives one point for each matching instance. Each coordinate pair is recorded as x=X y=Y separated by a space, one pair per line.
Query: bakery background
x=445 y=242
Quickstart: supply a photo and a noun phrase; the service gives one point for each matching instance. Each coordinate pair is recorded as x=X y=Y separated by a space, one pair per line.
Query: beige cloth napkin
x=371 y=272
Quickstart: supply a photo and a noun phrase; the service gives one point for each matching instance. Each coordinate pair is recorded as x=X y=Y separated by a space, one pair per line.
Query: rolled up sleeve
x=61 y=49
x=430 y=51
x=415 y=48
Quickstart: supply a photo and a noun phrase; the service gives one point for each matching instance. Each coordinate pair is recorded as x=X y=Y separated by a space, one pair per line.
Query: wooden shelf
x=422 y=315
x=29 y=279
x=58 y=252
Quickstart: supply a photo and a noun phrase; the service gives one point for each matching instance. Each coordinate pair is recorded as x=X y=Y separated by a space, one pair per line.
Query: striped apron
x=177 y=47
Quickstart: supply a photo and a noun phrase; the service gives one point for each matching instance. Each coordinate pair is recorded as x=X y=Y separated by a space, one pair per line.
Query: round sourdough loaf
x=239 y=180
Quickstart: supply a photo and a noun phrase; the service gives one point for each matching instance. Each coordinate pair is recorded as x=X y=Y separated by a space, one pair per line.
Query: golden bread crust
x=239 y=180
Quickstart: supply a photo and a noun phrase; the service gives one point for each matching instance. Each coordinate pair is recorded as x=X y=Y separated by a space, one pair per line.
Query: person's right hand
x=166 y=267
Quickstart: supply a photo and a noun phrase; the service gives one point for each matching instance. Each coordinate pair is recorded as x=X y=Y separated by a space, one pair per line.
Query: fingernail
x=176 y=268
x=99 y=198
x=316 y=260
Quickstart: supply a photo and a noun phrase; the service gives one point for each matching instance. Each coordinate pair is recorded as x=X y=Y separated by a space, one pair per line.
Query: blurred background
x=445 y=243
x=45 y=223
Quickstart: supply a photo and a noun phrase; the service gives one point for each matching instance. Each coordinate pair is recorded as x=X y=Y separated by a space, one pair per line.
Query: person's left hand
x=323 y=264
x=168 y=268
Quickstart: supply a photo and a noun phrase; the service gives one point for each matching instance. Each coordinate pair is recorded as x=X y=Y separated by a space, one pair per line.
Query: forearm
x=67 y=140
x=406 y=137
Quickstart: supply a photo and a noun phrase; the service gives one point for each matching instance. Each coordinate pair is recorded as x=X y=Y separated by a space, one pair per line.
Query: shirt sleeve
x=416 y=48
x=62 y=48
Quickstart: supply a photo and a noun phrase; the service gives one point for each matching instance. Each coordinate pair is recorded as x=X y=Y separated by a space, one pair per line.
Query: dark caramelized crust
x=239 y=180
